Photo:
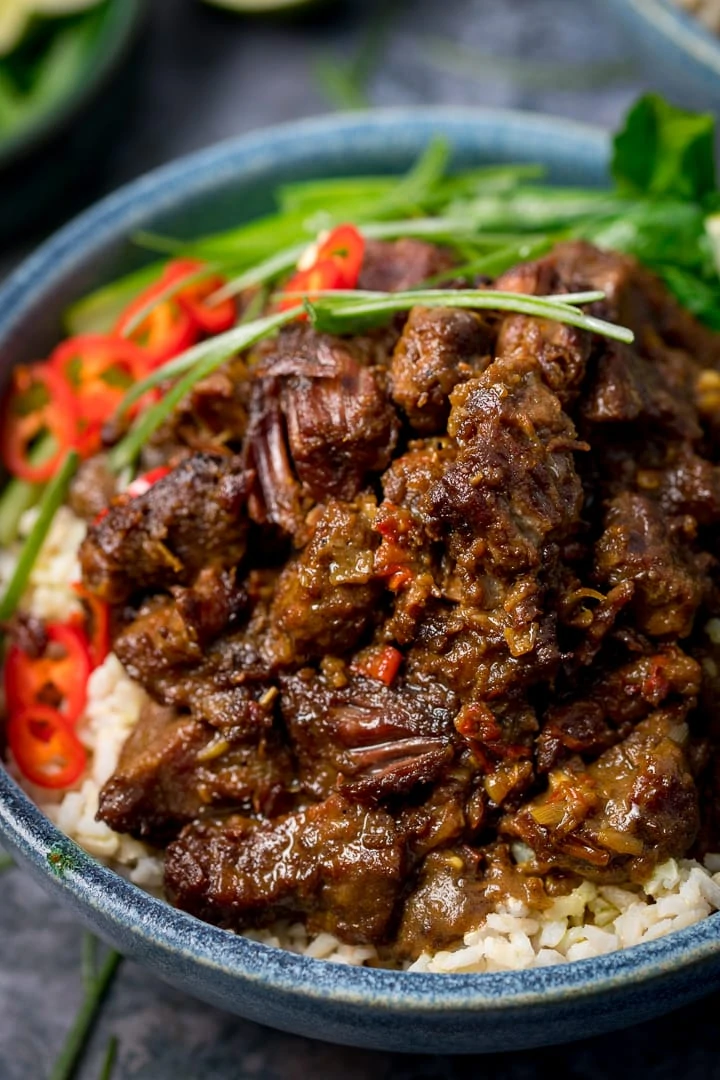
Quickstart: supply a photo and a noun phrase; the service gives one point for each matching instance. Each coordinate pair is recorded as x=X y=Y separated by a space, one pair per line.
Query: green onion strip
x=67 y=1062
x=52 y=499
x=195 y=364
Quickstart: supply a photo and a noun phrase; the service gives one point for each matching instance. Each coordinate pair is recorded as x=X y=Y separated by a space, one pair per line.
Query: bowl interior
x=211 y=191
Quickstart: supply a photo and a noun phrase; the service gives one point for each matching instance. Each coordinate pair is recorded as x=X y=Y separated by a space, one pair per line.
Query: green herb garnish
x=52 y=499
x=195 y=364
x=348 y=315
x=67 y=1062
x=108 y=1064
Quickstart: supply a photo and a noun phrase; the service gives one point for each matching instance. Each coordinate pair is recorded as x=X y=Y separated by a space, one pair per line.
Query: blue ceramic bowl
x=681 y=55
x=372 y=1009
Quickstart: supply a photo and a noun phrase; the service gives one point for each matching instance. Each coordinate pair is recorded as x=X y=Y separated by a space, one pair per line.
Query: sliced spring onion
x=497 y=262
x=195 y=364
x=65 y=1066
x=88 y=961
x=347 y=316
x=21 y=495
x=260 y=274
x=446 y=229
x=108 y=1064
x=346 y=193
x=52 y=499
x=18 y=496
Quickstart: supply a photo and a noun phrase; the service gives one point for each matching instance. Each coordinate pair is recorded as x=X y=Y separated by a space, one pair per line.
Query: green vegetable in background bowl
x=55 y=113
x=45 y=47
x=16 y=17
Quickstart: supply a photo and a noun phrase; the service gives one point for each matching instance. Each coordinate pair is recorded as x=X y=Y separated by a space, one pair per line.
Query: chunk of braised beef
x=174 y=769
x=642 y=545
x=341 y=425
x=214 y=414
x=438 y=348
x=455 y=890
x=392 y=266
x=328 y=596
x=447 y=901
x=514 y=483
x=337 y=864
x=634 y=297
x=369 y=740
x=191 y=518
x=618 y=700
x=172 y=633
x=562 y=352
x=636 y=806
x=625 y=387
x=93 y=488
x=275 y=496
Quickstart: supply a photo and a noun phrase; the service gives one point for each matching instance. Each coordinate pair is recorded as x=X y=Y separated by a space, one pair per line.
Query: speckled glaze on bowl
x=681 y=55
x=372 y=1009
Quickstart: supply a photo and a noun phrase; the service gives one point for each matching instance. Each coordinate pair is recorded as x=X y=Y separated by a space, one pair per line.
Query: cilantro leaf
x=663 y=150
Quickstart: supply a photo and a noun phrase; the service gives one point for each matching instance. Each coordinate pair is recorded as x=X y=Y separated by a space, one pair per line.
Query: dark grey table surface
x=200 y=77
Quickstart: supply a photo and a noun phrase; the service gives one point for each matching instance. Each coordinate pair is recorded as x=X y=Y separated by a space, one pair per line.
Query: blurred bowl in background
x=680 y=54
x=40 y=158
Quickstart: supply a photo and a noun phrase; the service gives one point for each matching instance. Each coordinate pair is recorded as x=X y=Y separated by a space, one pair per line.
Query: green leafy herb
x=6 y=862
x=52 y=499
x=663 y=150
x=78 y=1036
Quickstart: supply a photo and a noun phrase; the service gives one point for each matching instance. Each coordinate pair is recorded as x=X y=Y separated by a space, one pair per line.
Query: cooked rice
x=707 y=11
x=590 y=921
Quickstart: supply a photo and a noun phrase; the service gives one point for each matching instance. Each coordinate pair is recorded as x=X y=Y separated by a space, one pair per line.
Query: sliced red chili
x=100 y=369
x=210 y=318
x=57 y=678
x=39 y=403
x=320 y=277
x=166 y=330
x=98 y=631
x=45 y=747
x=345 y=247
x=382 y=663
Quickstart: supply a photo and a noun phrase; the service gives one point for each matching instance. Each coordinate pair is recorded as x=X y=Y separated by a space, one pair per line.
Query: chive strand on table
x=66 y=1065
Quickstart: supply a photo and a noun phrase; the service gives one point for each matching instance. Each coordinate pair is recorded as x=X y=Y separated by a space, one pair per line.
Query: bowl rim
x=142 y=922
x=682 y=29
x=120 y=22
